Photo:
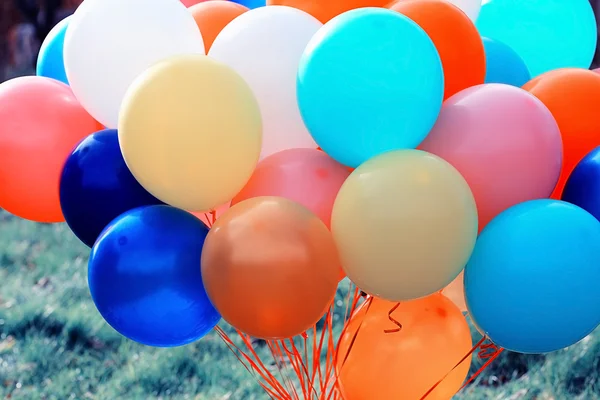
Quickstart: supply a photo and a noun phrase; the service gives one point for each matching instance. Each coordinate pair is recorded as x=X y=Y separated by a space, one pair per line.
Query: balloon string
x=394 y=321
x=281 y=365
x=276 y=391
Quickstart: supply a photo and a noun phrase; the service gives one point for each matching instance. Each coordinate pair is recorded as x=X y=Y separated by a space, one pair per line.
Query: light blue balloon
x=531 y=284
x=503 y=64
x=369 y=81
x=251 y=4
x=50 y=61
x=547 y=34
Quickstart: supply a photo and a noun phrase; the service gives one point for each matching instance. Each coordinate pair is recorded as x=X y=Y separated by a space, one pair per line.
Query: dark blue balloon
x=583 y=186
x=96 y=186
x=144 y=277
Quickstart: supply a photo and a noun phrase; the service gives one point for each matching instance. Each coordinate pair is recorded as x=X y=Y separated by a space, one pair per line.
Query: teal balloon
x=531 y=284
x=369 y=81
x=503 y=64
x=547 y=34
x=50 y=61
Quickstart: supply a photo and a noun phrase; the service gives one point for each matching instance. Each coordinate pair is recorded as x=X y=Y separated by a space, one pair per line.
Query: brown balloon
x=270 y=267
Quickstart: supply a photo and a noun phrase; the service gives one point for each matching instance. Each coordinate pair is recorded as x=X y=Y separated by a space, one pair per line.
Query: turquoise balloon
x=531 y=284
x=50 y=61
x=369 y=81
x=547 y=34
x=503 y=64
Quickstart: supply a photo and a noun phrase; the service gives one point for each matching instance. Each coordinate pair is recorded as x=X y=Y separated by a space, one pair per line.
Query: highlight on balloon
x=362 y=200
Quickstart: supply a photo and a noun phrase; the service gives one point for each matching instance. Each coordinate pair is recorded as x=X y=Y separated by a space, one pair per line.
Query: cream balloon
x=469 y=7
x=405 y=223
x=110 y=42
x=264 y=46
x=190 y=132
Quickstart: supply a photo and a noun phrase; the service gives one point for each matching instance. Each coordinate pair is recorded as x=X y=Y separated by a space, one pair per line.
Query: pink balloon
x=189 y=3
x=306 y=176
x=505 y=143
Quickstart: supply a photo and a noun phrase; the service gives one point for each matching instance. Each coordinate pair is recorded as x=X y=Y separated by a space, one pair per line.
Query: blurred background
x=54 y=344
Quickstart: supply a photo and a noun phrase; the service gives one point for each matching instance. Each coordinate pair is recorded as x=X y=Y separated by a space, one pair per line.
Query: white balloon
x=469 y=7
x=264 y=46
x=110 y=42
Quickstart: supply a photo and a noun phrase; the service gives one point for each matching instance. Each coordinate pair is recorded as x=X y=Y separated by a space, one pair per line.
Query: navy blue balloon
x=583 y=186
x=96 y=186
x=144 y=277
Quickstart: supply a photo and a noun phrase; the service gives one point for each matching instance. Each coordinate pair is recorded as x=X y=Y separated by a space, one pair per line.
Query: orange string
x=394 y=321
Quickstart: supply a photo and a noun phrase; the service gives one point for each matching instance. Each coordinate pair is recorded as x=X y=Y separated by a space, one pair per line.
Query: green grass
x=55 y=345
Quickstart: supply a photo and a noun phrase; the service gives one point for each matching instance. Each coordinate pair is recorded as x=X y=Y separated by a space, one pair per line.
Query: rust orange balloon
x=270 y=267
x=41 y=121
x=324 y=10
x=213 y=16
x=572 y=95
x=382 y=359
x=455 y=37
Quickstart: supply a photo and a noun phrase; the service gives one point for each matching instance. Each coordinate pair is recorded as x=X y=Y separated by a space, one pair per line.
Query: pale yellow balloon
x=190 y=131
x=405 y=223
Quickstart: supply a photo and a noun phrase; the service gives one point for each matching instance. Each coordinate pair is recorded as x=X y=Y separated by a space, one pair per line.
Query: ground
x=55 y=345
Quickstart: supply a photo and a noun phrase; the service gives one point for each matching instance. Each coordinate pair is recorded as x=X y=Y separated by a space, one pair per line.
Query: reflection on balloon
x=396 y=91
x=532 y=282
x=199 y=149
x=405 y=224
x=41 y=123
x=503 y=141
x=126 y=37
x=572 y=96
x=50 y=62
x=96 y=186
x=270 y=267
x=546 y=34
x=455 y=38
x=265 y=46
x=145 y=280
x=583 y=186
x=375 y=364
x=503 y=64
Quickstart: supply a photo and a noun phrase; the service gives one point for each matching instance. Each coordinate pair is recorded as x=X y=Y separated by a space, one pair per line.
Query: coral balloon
x=503 y=141
x=41 y=122
x=455 y=37
x=213 y=16
x=572 y=95
x=532 y=282
x=405 y=223
x=326 y=10
x=374 y=364
x=265 y=46
x=199 y=148
x=270 y=267
x=306 y=176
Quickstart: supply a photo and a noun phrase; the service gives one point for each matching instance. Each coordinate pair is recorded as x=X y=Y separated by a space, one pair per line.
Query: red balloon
x=40 y=123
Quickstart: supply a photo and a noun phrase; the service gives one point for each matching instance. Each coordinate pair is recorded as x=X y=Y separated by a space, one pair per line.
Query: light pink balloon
x=505 y=143
x=306 y=176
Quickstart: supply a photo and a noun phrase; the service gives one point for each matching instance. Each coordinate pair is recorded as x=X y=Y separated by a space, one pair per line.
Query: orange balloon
x=572 y=95
x=41 y=121
x=455 y=37
x=270 y=267
x=213 y=16
x=406 y=363
x=324 y=10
